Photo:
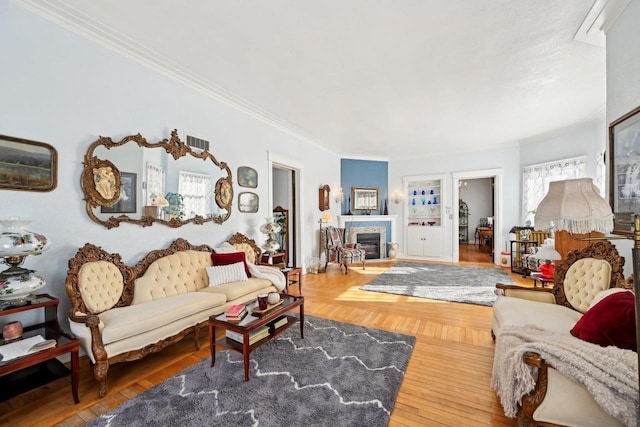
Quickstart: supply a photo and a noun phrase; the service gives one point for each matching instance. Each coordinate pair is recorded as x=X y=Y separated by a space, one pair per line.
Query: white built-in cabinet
x=423 y=219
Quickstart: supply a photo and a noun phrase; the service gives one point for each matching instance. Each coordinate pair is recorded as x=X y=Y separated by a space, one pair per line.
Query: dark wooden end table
x=250 y=323
x=37 y=369
x=293 y=276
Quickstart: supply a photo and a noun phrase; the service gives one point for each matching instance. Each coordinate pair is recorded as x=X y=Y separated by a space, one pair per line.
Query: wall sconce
x=396 y=197
x=339 y=196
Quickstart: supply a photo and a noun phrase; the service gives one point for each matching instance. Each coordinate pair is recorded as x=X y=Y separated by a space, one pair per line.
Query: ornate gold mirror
x=167 y=182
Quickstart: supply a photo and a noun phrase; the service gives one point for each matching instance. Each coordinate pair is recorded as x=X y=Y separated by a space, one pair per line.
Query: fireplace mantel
x=344 y=219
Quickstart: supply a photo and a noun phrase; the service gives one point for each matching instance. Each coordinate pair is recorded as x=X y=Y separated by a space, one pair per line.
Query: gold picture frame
x=27 y=165
x=364 y=199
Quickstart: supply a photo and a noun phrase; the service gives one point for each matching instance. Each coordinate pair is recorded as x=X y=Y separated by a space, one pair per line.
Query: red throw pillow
x=231 y=258
x=611 y=321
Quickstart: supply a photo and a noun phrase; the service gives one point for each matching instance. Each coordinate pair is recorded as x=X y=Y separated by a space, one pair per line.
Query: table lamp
x=16 y=243
x=270 y=228
x=326 y=217
x=547 y=254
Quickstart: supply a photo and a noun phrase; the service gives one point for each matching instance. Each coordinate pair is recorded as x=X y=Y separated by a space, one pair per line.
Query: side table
x=293 y=276
x=37 y=369
x=536 y=276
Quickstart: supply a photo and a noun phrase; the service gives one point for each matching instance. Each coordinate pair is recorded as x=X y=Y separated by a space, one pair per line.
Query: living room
x=60 y=87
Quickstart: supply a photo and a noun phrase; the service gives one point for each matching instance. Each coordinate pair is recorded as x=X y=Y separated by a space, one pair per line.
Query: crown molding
x=71 y=19
x=601 y=17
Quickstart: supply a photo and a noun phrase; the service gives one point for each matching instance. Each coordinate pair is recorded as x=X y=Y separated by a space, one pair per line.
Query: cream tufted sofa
x=121 y=313
x=578 y=280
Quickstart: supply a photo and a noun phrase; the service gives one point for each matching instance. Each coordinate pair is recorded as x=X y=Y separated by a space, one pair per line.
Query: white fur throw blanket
x=272 y=274
x=609 y=374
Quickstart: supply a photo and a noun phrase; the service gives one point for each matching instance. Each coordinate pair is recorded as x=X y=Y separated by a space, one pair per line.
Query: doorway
x=477 y=216
x=285 y=178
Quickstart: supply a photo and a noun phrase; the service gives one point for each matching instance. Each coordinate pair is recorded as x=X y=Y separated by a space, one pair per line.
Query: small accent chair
x=339 y=252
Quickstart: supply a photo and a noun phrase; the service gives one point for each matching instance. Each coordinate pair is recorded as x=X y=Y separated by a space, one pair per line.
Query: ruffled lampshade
x=574 y=205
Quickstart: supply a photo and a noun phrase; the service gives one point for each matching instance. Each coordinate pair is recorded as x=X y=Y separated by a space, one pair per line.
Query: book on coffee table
x=254 y=336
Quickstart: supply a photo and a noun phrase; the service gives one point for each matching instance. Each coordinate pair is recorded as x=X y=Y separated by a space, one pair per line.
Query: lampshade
x=326 y=216
x=546 y=252
x=575 y=206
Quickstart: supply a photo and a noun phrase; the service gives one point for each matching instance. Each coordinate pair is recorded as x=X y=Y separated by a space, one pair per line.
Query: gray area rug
x=472 y=285
x=338 y=375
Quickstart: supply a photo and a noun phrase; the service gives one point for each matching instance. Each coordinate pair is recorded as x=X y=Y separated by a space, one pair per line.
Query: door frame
x=282 y=162
x=498 y=208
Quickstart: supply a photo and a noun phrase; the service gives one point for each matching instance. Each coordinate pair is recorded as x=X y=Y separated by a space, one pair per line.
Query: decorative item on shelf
x=393 y=247
x=326 y=217
x=12 y=331
x=175 y=208
x=270 y=228
x=273 y=298
x=385 y=211
x=16 y=243
x=547 y=254
x=431 y=223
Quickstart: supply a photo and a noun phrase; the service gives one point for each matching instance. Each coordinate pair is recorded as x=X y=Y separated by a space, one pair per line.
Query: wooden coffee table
x=250 y=323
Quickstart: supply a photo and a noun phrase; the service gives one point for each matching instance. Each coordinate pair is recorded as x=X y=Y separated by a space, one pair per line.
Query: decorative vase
x=386 y=210
x=392 y=250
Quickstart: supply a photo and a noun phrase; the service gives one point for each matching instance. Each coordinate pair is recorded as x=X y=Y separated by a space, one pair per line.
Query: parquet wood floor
x=446 y=383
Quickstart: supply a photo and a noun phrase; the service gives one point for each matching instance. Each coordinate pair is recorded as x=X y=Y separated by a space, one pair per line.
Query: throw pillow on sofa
x=231 y=258
x=611 y=321
x=221 y=274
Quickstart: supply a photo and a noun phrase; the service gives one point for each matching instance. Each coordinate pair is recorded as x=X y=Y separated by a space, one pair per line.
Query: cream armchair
x=578 y=280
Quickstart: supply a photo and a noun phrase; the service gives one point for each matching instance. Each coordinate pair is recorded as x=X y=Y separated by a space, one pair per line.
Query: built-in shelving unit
x=424 y=227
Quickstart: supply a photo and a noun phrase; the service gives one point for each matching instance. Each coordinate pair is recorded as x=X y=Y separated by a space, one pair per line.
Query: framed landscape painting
x=624 y=169
x=27 y=165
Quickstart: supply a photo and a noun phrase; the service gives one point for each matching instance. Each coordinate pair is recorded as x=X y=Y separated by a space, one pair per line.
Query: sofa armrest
x=531 y=294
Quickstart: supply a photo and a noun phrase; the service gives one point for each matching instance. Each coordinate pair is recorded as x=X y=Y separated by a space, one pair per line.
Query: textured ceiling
x=369 y=78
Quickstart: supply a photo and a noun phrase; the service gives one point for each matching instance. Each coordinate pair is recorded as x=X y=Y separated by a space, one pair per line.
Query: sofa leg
x=196 y=337
x=345 y=266
x=100 y=373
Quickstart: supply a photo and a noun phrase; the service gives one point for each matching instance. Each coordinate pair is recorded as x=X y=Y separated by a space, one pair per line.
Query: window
x=196 y=192
x=155 y=182
x=536 y=179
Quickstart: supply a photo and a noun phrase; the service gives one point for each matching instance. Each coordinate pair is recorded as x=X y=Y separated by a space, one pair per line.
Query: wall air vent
x=197 y=144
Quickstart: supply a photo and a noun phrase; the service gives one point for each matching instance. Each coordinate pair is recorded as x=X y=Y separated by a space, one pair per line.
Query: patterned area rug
x=472 y=285
x=338 y=375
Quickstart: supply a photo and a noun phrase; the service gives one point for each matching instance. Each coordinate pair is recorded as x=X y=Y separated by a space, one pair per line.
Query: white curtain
x=536 y=179
x=155 y=182
x=196 y=192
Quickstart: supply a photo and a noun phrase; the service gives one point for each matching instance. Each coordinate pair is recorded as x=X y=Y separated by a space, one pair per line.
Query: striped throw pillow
x=221 y=274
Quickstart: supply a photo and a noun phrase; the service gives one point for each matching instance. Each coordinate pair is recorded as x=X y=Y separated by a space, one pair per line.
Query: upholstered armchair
x=339 y=252
x=580 y=281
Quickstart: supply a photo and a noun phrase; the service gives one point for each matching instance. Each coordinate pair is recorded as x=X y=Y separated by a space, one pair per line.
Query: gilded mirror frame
x=101 y=181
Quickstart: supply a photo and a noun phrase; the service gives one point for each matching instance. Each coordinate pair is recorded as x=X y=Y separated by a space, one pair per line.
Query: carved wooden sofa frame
x=601 y=250
x=80 y=313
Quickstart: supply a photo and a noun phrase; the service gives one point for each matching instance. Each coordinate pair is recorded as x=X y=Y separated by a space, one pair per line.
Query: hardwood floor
x=446 y=382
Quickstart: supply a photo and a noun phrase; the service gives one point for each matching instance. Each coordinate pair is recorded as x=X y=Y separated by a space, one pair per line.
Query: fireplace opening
x=370 y=242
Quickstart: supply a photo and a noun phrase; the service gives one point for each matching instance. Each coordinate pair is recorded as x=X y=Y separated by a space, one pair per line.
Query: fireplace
x=372 y=239
x=370 y=242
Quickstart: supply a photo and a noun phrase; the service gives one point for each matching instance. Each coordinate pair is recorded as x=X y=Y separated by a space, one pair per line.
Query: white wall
x=59 y=88
x=623 y=81
x=507 y=159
